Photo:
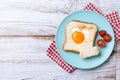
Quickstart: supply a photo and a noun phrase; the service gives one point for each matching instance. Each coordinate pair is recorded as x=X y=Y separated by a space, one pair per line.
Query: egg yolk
x=78 y=37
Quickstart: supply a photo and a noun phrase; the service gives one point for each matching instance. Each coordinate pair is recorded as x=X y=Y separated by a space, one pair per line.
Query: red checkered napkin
x=112 y=18
x=115 y=22
x=91 y=7
x=53 y=53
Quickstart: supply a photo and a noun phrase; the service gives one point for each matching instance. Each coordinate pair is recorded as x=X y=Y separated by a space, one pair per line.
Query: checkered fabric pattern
x=91 y=7
x=53 y=53
x=112 y=18
x=115 y=22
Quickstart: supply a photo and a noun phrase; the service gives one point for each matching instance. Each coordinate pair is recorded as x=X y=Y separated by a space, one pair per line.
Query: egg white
x=74 y=29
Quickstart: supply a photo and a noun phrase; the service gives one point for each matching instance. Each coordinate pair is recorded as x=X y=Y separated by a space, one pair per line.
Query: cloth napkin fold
x=53 y=54
x=115 y=22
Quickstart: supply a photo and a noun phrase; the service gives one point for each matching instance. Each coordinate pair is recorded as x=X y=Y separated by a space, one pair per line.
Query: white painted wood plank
x=38 y=72
x=27 y=45
x=41 y=17
x=109 y=5
x=118 y=60
x=118 y=70
x=25 y=58
x=105 y=76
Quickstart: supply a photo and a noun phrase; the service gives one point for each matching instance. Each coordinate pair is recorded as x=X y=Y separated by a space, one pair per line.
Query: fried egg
x=78 y=36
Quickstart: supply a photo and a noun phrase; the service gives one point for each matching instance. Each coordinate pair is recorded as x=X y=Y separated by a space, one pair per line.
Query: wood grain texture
x=26 y=30
x=118 y=60
x=25 y=58
x=41 y=17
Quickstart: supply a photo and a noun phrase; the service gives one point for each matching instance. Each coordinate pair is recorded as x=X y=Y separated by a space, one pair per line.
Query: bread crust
x=72 y=50
x=82 y=22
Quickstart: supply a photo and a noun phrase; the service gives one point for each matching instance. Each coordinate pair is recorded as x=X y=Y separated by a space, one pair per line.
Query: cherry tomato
x=101 y=43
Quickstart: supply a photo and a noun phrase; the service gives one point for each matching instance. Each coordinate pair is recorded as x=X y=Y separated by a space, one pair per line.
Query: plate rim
x=112 y=38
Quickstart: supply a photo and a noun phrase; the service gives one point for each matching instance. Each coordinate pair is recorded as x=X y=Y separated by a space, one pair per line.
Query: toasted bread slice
x=86 y=48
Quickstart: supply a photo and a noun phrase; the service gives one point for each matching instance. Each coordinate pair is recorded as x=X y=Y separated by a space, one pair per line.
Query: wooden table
x=26 y=29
